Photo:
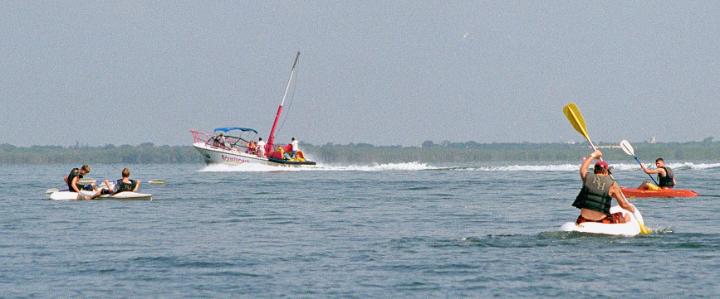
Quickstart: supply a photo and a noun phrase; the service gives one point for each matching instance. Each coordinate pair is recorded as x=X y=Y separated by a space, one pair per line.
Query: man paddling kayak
x=666 y=179
x=599 y=188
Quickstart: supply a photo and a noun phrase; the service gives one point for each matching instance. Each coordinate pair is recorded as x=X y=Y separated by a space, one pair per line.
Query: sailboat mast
x=269 y=148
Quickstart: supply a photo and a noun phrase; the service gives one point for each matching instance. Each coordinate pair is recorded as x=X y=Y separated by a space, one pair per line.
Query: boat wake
x=409 y=166
x=420 y=166
x=573 y=167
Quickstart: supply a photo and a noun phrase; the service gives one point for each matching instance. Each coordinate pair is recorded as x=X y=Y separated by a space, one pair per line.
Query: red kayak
x=640 y=193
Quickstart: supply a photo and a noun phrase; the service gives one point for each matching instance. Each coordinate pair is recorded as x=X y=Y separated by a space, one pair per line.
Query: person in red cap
x=599 y=188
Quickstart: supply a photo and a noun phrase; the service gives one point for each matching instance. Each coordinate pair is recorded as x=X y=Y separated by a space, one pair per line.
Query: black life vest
x=595 y=193
x=122 y=186
x=75 y=172
x=668 y=180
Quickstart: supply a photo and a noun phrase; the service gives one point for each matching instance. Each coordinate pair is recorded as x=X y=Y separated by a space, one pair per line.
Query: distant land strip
x=363 y=153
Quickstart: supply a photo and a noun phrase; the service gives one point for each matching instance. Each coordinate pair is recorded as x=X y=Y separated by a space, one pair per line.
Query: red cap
x=601 y=164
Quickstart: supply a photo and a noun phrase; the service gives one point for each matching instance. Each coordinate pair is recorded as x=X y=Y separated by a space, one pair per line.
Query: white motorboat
x=223 y=147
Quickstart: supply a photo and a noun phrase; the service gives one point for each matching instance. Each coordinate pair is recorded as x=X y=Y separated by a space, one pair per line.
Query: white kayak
x=67 y=195
x=628 y=229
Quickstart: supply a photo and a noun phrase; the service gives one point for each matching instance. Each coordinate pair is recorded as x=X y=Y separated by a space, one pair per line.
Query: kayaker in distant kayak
x=73 y=183
x=125 y=184
x=666 y=179
x=599 y=188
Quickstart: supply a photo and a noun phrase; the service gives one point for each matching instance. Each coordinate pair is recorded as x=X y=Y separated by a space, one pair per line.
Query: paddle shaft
x=651 y=177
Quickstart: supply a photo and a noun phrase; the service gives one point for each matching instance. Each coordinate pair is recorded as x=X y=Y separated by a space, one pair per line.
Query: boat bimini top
x=240 y=138
x=228 y=129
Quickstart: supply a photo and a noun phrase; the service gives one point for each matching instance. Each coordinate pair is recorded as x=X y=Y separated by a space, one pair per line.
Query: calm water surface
x=382 y=231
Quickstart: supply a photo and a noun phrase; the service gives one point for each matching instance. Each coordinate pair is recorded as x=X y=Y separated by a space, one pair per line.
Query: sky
x=379 y=72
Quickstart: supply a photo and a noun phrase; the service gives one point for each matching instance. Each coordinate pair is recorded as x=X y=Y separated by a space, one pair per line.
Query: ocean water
x=392 y=230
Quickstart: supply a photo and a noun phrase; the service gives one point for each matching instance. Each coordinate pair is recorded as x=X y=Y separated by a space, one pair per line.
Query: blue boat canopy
x=228 y=129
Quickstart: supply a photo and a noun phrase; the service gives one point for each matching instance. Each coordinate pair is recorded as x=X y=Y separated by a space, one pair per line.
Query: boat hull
x=663 y=193
x=628 y=229
x=213 y=155
x=67 y=195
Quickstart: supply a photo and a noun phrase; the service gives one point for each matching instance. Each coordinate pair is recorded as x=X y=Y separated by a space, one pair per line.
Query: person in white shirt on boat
x=220 y=141
x=260 y=147
x=295 y=147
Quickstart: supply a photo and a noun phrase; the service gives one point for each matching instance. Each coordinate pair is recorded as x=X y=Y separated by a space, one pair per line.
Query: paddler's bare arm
x=653 y=171
x=616 y=193
x=584 y=167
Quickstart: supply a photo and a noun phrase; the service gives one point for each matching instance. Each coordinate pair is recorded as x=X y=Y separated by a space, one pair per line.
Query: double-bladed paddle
x=573 y=115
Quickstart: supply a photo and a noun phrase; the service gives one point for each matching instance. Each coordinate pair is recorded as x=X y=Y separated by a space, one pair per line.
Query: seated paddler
x=665 y=176
x=73 y=183
x=598 y=190
x=125 y=184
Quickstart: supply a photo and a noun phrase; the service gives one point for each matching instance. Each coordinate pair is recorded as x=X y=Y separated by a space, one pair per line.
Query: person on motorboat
x=260 y=146
x=73 y=183
x=252 y=147
x=598 y=190
x=220 y=141
x=666 y=178
x=125 y=184
x=284 y=154
x=294 y=147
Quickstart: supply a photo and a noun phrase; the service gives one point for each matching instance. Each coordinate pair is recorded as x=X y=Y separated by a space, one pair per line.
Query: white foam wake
x=409 y=166
x=418 y=166
x=249 y=167
x=574 y=167
x=551 y=167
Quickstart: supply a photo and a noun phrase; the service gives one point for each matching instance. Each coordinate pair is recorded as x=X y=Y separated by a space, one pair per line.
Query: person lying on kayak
x=125 y=184
x=599 y=188
x=73 y=183
x=666 y=179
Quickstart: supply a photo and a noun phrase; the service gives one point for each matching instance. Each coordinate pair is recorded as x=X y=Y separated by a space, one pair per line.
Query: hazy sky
x=382 y=72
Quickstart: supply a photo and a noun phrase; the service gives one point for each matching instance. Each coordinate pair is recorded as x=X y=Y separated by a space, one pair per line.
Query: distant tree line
x=123 y=154
x=363 y=153
x=458 y=152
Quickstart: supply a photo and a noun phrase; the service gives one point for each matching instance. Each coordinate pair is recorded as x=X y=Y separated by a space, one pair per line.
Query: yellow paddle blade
x=573 y=115
x=644 y=230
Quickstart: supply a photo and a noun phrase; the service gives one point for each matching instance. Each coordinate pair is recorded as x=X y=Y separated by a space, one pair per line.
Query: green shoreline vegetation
x=363 y=153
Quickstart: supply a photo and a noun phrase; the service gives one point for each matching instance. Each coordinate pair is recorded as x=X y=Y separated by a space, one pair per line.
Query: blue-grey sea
x=390 y=230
